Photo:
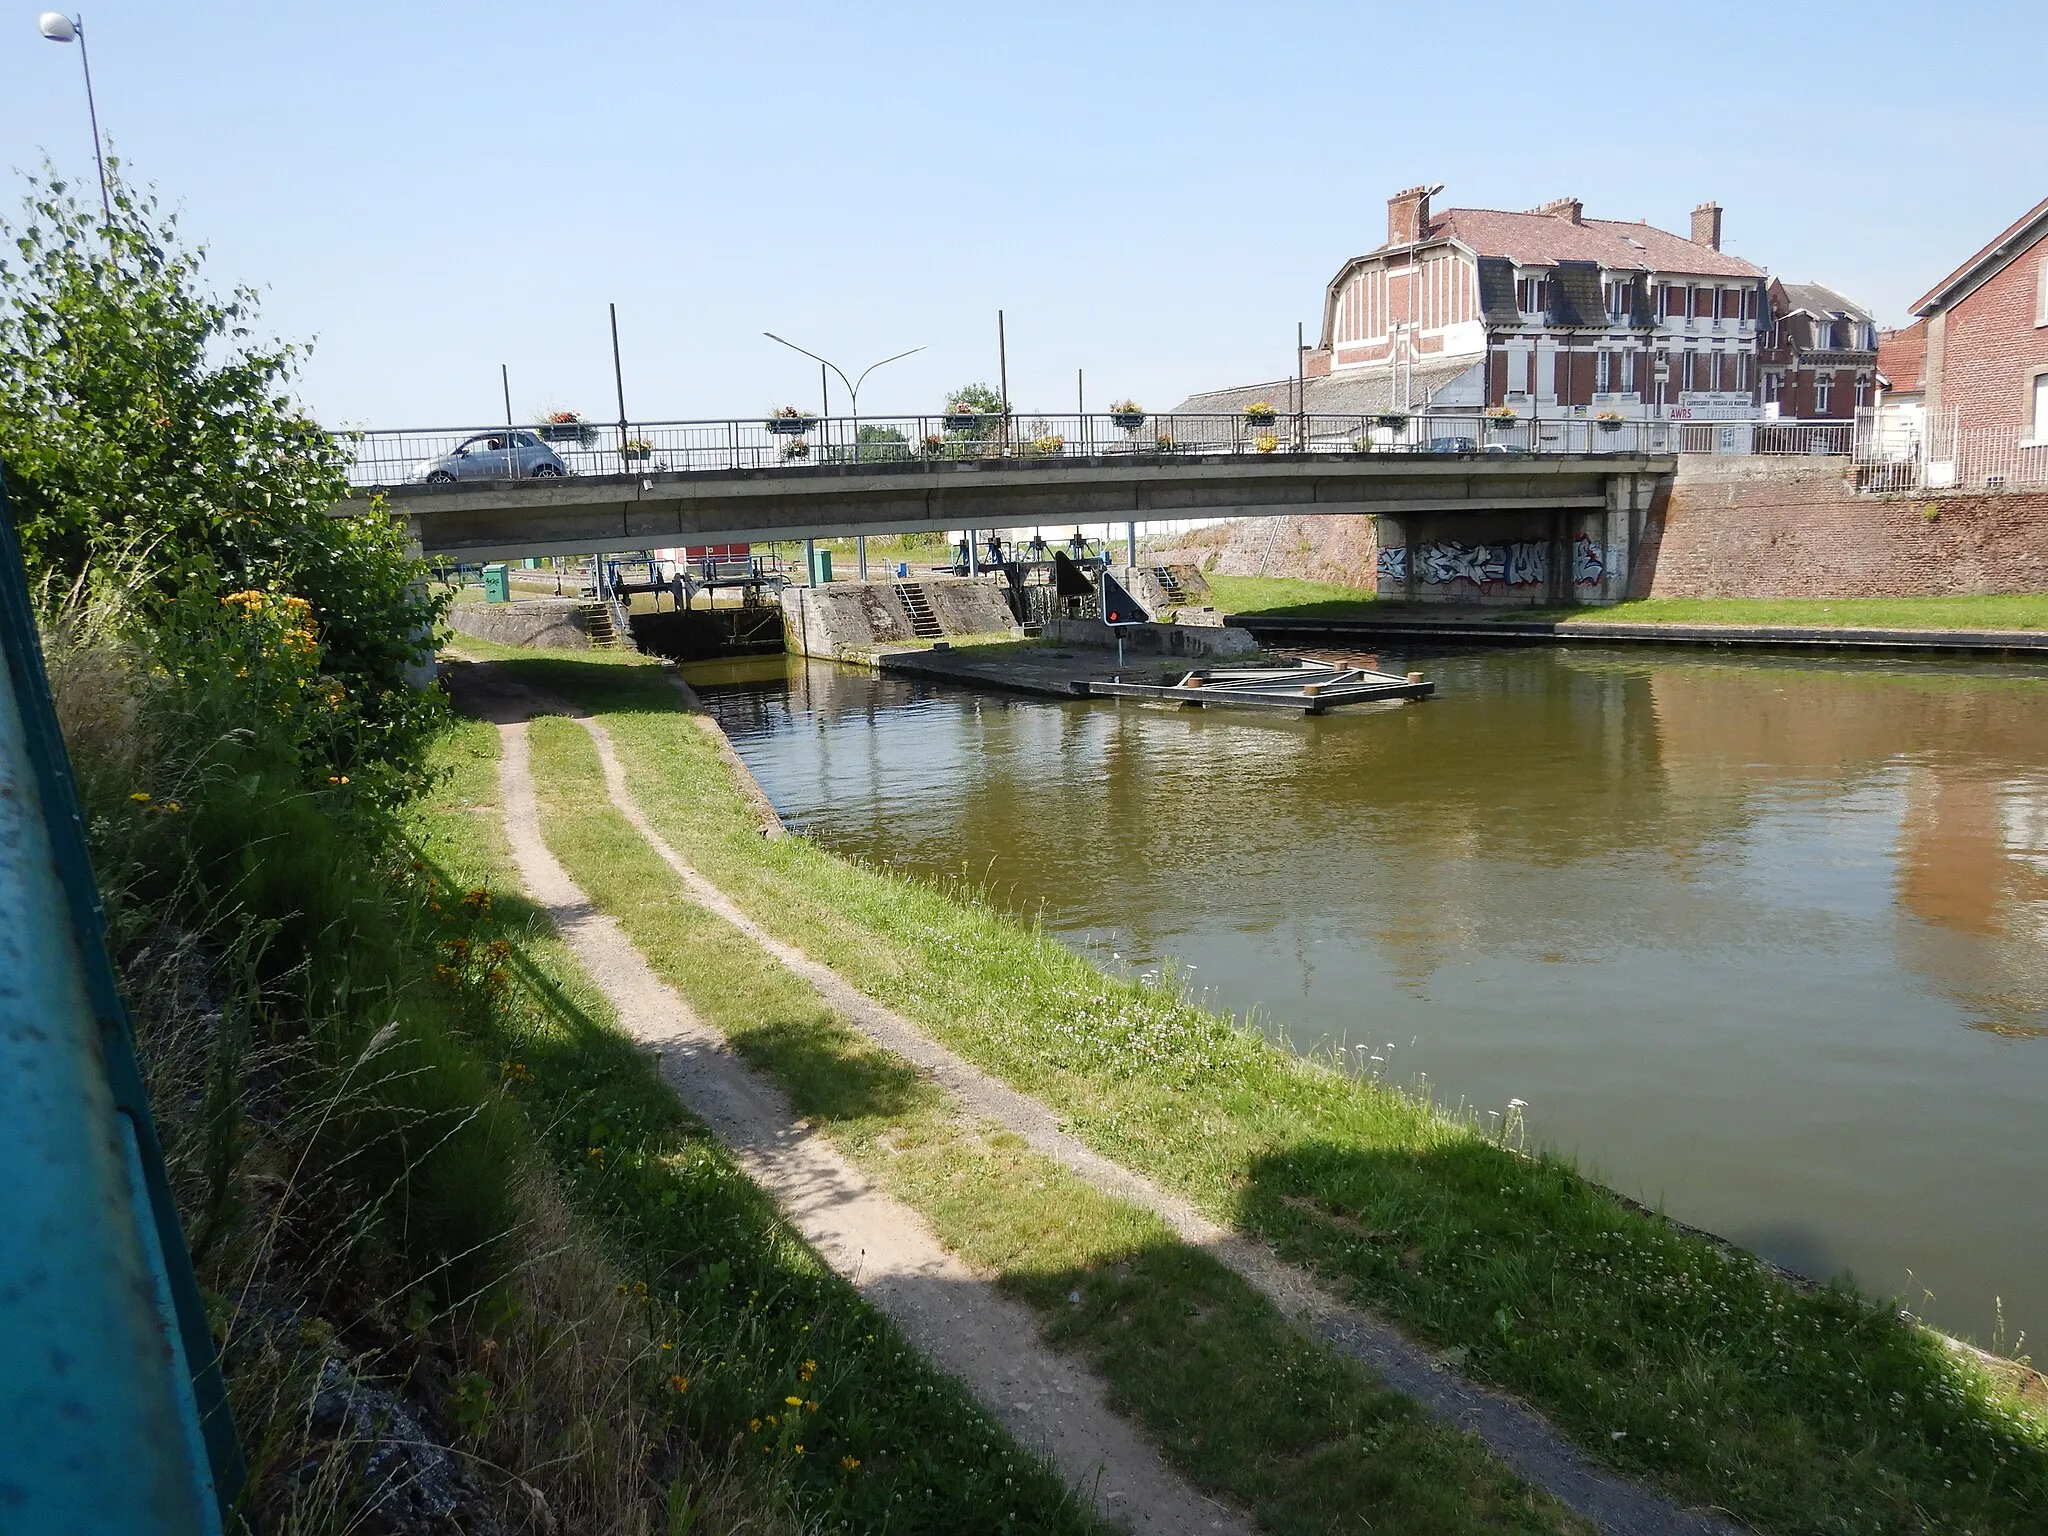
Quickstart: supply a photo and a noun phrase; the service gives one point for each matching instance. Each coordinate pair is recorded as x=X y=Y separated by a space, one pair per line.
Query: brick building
x=1818 y=358
x=1548 y=313
x=1985 y=332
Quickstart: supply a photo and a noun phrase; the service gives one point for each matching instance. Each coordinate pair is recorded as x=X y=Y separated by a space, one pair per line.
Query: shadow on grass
x=759 y=1347
x=1246 y=1405
x=1659 y=1348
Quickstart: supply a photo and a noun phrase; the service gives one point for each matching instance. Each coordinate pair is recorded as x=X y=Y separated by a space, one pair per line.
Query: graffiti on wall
x=1394 y=563
x=1525 y=564
x=1446 y=561
x=1529 y=563
x=1589 y=562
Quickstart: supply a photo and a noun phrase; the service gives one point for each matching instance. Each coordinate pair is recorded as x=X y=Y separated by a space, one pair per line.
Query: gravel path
x=952 y=1315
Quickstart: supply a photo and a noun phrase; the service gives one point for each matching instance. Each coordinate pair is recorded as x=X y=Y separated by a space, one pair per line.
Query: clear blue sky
x=1155 y=192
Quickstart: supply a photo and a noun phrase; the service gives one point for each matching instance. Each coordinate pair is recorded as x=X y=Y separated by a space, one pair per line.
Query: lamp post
x=59 y=28
x=852 y=385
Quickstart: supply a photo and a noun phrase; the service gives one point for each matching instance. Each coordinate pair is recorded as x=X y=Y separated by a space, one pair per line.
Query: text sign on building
x=1714 y=405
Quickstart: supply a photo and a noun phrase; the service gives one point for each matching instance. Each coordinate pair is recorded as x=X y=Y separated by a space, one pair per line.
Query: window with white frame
x=2041 y=293
x=1774 y=383
x=1518 y=370
x=1535 y=295
x=1685 y=382
x=1628 y=372
x=1603 y=371
x=1862 y=390
x=2041 y=408
x=1823 y=385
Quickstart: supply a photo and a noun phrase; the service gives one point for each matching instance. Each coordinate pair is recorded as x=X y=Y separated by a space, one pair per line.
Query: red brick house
x=1548 y=313
x=1986 y=337
x=1819 y=357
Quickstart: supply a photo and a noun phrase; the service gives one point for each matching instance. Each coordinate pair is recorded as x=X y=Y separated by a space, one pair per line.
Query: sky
x=1153 y=194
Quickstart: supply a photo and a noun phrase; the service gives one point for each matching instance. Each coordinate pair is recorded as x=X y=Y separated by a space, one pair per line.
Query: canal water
x=1763 y=941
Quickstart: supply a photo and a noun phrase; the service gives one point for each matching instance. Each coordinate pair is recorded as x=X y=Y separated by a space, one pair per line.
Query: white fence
x=1897 y=453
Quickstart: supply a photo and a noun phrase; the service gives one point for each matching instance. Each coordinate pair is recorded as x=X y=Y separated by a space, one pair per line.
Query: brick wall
x=1764 y=527
x=1991 y=349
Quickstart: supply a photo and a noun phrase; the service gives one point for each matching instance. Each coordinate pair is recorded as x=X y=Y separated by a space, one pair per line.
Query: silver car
x=486 y=457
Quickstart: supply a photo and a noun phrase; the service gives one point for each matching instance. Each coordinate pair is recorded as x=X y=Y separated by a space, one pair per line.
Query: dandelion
x=849 y=1463
x=140 y=797
x=794 y=1402
x=678 y=1384
x=753 y=1426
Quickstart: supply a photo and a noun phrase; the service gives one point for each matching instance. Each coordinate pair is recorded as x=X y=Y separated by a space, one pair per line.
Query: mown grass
x=764 y=1349
x=1244 y=1405
x=2026 y=610
x=1660 y=1351
x=1286 y=595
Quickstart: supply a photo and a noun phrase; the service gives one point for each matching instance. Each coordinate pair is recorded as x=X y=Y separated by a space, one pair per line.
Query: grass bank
x=1660 y=1351
x=754 y=1345
x=1244 y=1406
x=1286 y=595
x=2028 y=610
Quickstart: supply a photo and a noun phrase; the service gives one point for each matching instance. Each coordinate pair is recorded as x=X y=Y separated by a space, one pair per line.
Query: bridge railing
x=383 y=458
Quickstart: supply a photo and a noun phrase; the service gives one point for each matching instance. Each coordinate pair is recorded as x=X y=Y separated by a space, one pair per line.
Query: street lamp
x=852 y=385
x=59 y=28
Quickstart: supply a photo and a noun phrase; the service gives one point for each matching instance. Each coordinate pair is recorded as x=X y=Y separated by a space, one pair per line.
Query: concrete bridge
x=1434 y=493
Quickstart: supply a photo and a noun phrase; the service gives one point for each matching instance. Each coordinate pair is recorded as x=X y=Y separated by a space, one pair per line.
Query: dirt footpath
x=954 y=1317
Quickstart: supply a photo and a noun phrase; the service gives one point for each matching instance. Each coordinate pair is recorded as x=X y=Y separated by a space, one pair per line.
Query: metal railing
x=453 y=454
x=1897 y=454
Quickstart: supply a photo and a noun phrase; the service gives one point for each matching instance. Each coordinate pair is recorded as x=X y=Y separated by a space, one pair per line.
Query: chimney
x=1408 y=215
x=1706 y=225
x=1570 y=209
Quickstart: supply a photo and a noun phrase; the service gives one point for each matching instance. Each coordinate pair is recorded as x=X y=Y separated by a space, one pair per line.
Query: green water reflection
x=1763 y=940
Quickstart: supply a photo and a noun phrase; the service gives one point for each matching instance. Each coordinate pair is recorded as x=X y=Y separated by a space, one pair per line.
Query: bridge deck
x=573 y=514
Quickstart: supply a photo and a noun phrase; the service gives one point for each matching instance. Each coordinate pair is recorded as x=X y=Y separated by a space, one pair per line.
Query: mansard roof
x=1348 y=392
x=1545 y=239
x=1815 y=299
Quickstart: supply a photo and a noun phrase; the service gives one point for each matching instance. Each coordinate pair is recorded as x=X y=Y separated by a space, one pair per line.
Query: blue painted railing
x=113 y=1417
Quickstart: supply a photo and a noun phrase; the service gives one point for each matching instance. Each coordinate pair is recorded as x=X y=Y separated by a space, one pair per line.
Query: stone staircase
x=924 y=624
x=600 y=622
x=1170 y=585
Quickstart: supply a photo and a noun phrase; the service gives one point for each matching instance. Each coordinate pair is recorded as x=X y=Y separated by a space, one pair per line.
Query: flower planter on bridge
x=790 y=426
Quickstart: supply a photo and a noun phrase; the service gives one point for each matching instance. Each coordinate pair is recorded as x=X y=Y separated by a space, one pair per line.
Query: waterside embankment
x=1657 y=1351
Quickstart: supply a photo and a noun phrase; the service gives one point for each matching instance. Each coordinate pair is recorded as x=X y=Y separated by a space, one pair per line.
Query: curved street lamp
x=852 y=385
x=59 y=28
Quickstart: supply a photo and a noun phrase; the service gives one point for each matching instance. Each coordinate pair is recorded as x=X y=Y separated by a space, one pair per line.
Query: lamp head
x=57 y=27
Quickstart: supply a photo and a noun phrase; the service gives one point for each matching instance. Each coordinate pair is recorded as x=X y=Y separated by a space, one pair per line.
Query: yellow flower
x=794 y=1402
x=753 y=1426
x=140 y=797
x=849 y=1463
x=810 y=1369
x=679 y=1383
x=799 y=1450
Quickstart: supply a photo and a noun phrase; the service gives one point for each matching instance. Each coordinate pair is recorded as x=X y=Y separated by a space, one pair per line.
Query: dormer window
x=1533 y=295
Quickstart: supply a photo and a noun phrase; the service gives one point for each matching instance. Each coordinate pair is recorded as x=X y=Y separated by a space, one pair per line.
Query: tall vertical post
x=92 y=113
x=860 y=554
x=1131 y=543
x=810 y=562
x=1300 y=390
x=511 y=448
x=1003 y=376
x=619 y=380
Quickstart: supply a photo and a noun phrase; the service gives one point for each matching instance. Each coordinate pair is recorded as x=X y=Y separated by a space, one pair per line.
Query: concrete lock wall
x=829 y=620
x=552 y=623
x=1784 y=527
x=1207 y=640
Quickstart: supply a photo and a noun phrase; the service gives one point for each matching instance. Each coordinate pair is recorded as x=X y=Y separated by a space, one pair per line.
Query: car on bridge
x=487 y=457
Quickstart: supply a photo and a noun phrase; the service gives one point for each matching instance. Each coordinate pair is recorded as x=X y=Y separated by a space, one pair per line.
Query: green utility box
x=497 y=584
x=821 y=567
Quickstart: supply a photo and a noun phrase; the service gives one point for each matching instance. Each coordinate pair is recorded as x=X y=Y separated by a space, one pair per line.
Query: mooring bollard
x=1414 y=677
